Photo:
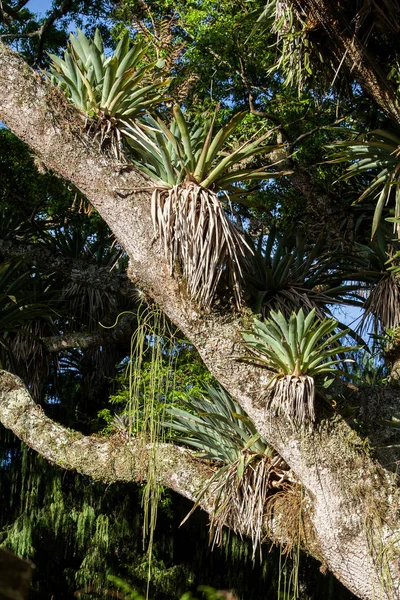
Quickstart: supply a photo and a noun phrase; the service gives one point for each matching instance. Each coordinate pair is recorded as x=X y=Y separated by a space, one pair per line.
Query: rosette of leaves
x=285 y=273
x=380 y=273
x=111 y=91
x=248 y=471
x=375 y=160
x=191 y=166
x=303 y=351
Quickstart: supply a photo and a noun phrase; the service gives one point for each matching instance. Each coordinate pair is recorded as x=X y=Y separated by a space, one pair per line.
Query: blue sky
x=39 y=6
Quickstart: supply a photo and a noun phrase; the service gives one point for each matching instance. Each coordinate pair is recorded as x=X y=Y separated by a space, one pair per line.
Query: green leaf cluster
x=373 y=156
x=114 y=89
x=302 y=345
x=188 y=150
x=216 y=426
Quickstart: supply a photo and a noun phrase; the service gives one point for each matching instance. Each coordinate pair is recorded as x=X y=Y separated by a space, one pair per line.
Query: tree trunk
x=15 y=577
x=350 y=499
x=342 y=41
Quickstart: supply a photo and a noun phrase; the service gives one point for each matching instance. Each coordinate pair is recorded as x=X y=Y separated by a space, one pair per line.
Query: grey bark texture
x=15 y=577
x=108 y=459
x=350 y=499
x=349 y=51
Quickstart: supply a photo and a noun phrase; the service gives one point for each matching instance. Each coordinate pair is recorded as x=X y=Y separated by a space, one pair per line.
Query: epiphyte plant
x=303 y=352
x=193 y=171
x=111 y=91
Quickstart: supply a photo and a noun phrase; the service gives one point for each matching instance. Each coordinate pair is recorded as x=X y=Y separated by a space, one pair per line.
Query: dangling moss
x=151 y=381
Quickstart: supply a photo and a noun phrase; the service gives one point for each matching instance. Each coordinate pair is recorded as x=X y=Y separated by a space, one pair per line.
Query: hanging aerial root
x=383 y=303
x=198 y=236
x=293 y=396
x=241 y=499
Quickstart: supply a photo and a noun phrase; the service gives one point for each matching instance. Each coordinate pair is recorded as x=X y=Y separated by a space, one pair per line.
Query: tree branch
x=348 y=48
x=108 y=459
x=347 y=489
x=120 y=333
x=75 y=270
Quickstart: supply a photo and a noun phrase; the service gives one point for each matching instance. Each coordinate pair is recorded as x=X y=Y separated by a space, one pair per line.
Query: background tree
x=347 y=499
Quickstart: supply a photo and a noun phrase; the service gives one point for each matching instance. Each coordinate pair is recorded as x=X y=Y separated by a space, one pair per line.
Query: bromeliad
x=191 y=167
x=111 y=91
x=301 y=351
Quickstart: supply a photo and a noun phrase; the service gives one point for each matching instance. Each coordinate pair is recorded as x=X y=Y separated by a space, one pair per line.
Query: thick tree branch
x=117 y=457
x=108 y=459
x=347 y=490
x=349 y=50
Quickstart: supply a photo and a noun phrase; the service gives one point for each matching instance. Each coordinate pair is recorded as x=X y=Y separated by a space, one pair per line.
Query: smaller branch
x=307 y=134
x=9 y=11
x=56 y=14
x=40 y=33
x=72 y=269
x=122 y=332
x=108 y=459
x=21 y=36
x=253 y=109
x=21 y=4
x=113 y=458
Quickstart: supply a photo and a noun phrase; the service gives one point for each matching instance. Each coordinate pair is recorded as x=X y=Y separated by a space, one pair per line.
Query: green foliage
x=114 y=90
x=299 y=350
x=18 y=306
x=222 y=432
x=368 y=369
x=285 y=273
x=209 y=593
x=216 y=426
x=180 y=372
x=188 y=150
x=298 y=57
x=190 y=164
x=374 y=158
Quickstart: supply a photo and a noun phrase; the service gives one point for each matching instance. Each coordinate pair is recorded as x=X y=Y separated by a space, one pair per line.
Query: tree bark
x=342 y=40
x=109 y=459
x=352 y=501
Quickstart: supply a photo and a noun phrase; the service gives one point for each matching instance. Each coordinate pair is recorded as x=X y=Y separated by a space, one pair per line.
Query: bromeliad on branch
x=191 y=166
x=299 y=350
x=249 y=471
x=110 y=91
